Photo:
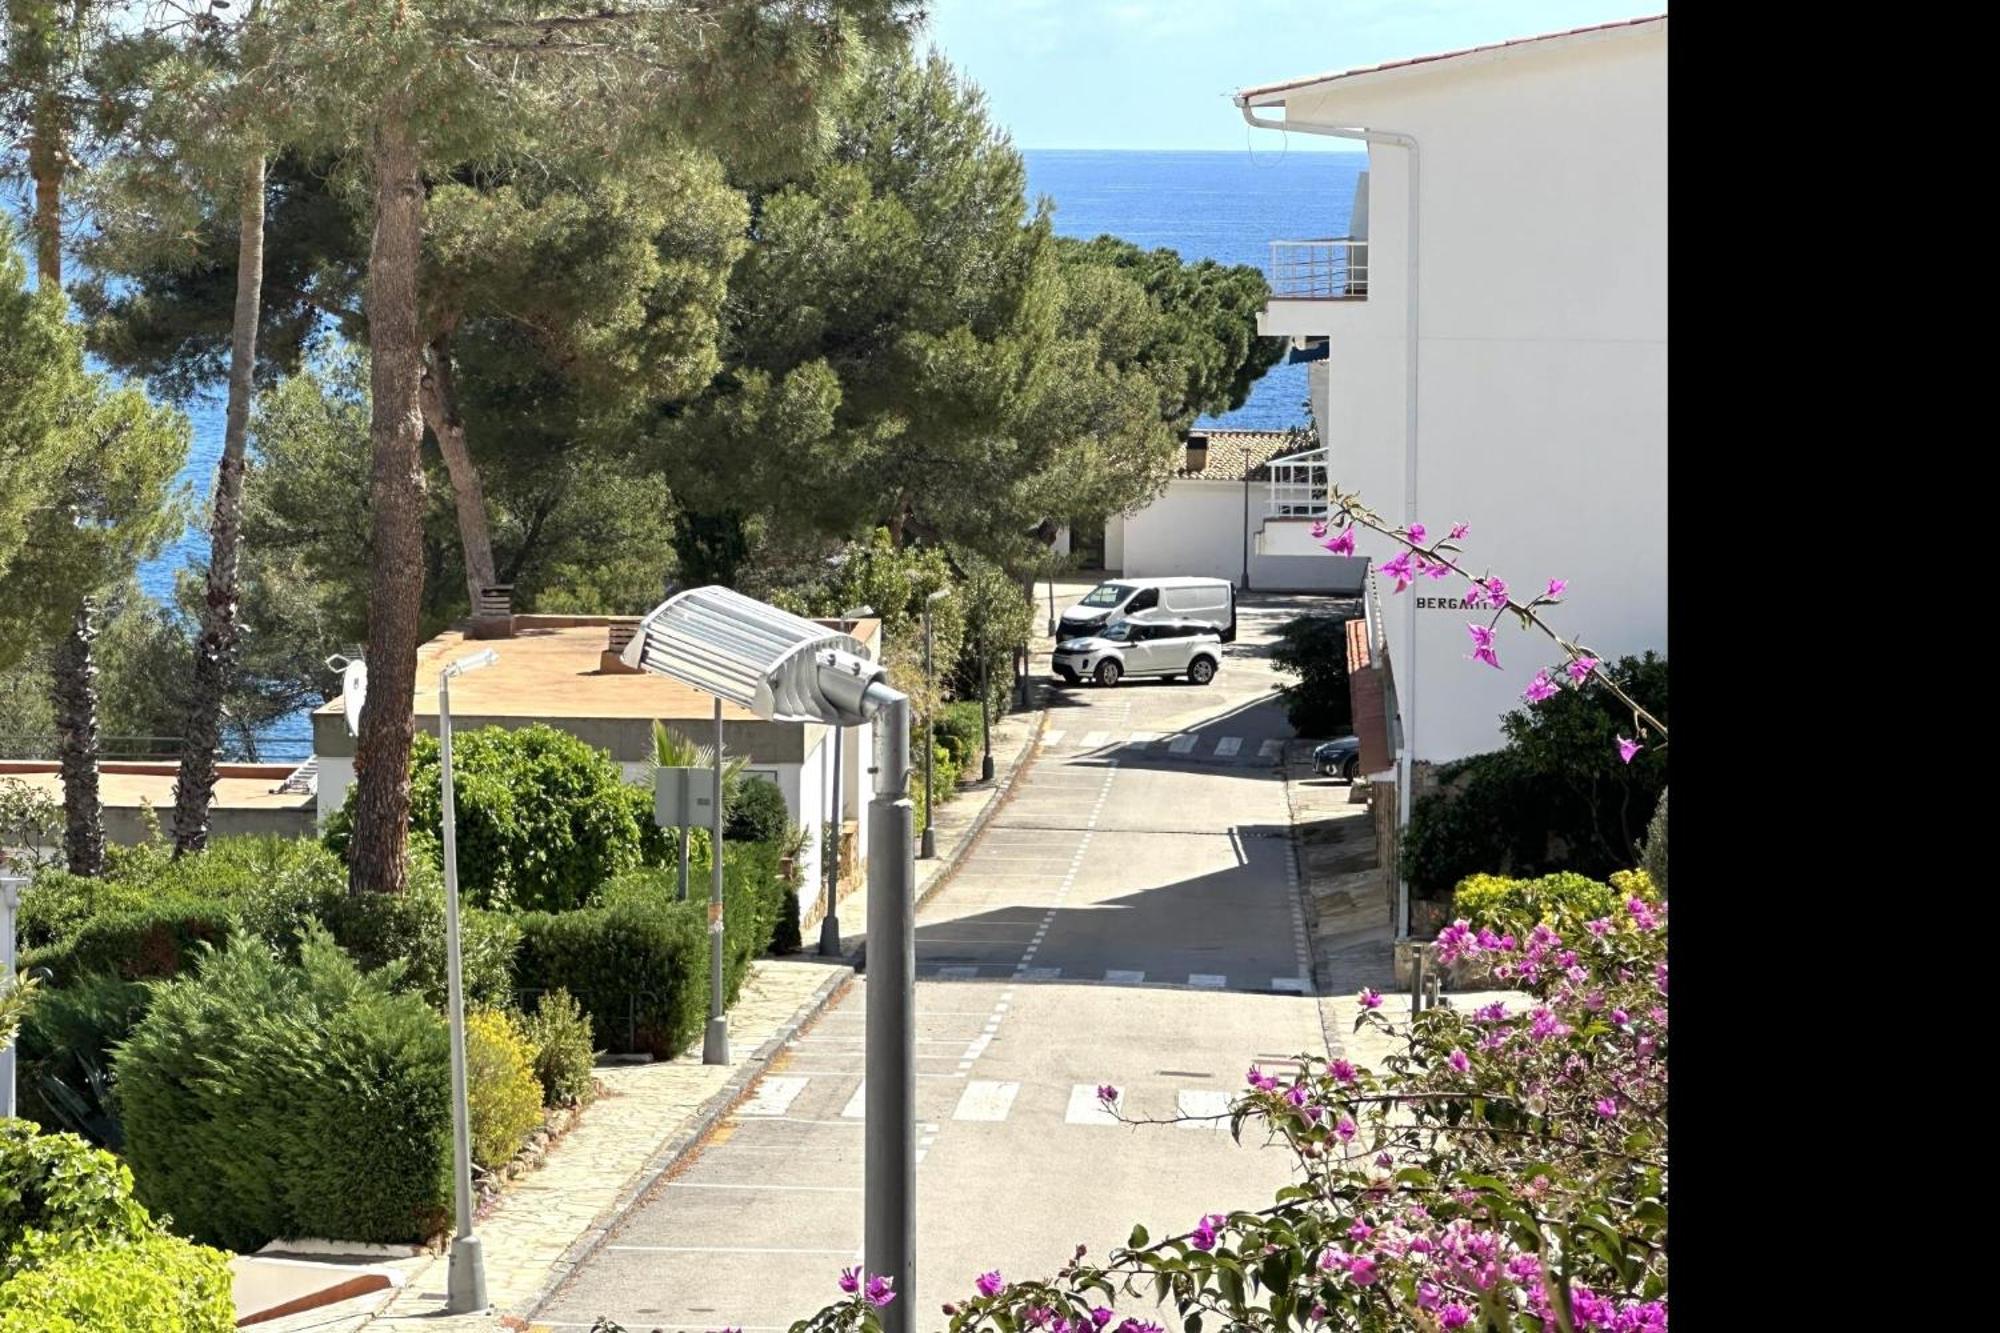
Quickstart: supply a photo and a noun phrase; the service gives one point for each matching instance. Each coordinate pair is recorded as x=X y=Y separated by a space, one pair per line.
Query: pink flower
x=1205 y=1233
x=990 y=1284
x=850 y=1280
x=1454 y=1315
x=1627 y=749
x=1607 y=1107
x=1371 y=998
x=1459 y=1061
x=1556 y=588
x=1319 y=529
x=1344 y=543
x=1400 y=569
x=1362 y=1270
x=1360 y=1231
x=1540 y=688
x=1101 y=1316
x=1458 y=531
x=1482 y=647
x=880 y=1290
x=1345 y=1129
x=1581 y=667
x=1475 y=596
x=1496 y=590
x=1417 y=534
x=1342 y=1071
x=1106 y=1093
x=1438 y=570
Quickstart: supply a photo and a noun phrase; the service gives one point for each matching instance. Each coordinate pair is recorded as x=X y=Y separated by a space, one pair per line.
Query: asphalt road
x=1130 y=917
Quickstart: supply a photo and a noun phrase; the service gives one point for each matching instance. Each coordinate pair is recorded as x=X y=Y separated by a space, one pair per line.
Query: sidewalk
x=650 y=1115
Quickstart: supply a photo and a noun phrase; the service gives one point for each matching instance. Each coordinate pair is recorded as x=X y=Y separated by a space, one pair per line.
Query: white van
x=1207 y=601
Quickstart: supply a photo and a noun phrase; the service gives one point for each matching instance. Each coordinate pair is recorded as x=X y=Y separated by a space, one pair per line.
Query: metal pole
x=829 y=926
x=930 y=745
x=684 y=831
x=10 y=903
x=985 y=716
x=889 y=1157
x=1052 y=597
x=715 y=1042
x=466 y=1287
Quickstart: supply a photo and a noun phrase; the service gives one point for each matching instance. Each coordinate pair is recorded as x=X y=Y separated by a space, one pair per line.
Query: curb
x=689 y=1136
x=1335 y=1047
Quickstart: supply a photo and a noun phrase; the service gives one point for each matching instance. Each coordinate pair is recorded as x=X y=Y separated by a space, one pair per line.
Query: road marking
x=1086 y=1109
x=1297 y=985
x=986 y=1101
x=1053 y=737
x=1270 y=749
x=977 y=1046
x=1203 y=1102
x=1095 y=739
x=1228 y=746
x=1040 y=973
x=1123 y=977
x=789 y=1189
x=1143 y=737
x=1208 y=980
x=1183 y=743
x=775 y=1096
x=958 y=973
x=857 y=1105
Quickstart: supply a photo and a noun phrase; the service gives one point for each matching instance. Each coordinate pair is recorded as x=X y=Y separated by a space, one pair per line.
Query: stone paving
x=549 y=1220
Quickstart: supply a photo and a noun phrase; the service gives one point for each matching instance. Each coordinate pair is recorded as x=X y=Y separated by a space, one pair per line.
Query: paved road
x=1129 y=918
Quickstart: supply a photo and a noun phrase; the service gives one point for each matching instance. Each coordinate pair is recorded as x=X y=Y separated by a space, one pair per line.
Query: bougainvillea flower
x=1482 y=645
x=990 y=1284
x=1459 y=1061
x=1540 y=688
x=1496 y=591
x=1627 y=749
x=1556 y=588
x=1438 y=570
x=881 y=1290
x=1106 y=1093
x=850 y=1280
x=1580 y=668
x=1342 y=1071
x=1371 y=998
x=1101 y=1316
x=1344 y=543
x=1319 y=529
x=1400 y=569
x=1458 y=531
x=1475 y=596
x=1417 y=534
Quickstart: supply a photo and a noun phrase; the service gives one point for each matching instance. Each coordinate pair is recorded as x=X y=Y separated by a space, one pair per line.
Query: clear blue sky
x=1158 y=73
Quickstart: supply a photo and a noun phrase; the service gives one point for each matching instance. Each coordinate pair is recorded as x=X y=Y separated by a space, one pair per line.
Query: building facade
x=1489 y=338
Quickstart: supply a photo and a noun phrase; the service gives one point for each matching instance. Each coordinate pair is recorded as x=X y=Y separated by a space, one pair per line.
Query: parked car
x=1141 y=648
x=1210 y=602
x=1340 y=758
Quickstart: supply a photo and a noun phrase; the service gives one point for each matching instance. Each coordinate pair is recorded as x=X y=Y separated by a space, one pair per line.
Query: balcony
x=1334 y=268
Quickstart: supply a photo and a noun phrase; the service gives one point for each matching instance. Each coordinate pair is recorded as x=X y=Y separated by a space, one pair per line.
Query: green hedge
x=80 y=1253
x=382 y=928
x=65 y=1069
x=263 y=1100
x=756 y=813
x=150 y=942
x=958 y=731
x=1564 y=902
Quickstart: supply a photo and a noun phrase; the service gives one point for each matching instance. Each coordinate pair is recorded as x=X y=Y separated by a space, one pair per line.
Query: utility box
x=684 y=797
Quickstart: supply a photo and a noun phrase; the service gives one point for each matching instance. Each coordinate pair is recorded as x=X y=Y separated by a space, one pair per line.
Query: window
x=1106 y=594
x=1119 y=633
x=1147 y=599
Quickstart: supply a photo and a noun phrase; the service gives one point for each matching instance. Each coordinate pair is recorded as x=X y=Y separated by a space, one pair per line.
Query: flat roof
x=130 y=785
x=552 y=668
x=1255 y=93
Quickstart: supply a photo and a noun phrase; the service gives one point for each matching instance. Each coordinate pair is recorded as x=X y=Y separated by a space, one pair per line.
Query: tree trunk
x=215 y=655
x=440 y=402
x=396 y=499
x=73 y=692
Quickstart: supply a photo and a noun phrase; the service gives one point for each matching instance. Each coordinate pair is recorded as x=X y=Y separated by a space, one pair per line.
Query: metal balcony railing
x=1333 y=268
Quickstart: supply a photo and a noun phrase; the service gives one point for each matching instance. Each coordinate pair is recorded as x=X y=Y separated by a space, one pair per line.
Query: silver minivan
x=1210 y=602
x=1164 y=648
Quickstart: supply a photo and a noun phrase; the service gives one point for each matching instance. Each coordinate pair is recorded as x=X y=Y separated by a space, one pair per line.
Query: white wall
x=1114 y=543
x=1542 y=355
x=1195 y=528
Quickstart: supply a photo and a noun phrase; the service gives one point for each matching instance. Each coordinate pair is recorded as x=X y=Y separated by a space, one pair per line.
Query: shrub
x=560 y=1035
x=1314 y=648
x=161 y=1284
x=502 y=1095
x=57 y=904
x=543 y=817
x=756 y=813
x=156 y=940
x=958 y=731
x=262 y=1099
x=64 y=1053
x=56 y=1186
x=1564 y=902
x=408 y=928
x=1654 y=858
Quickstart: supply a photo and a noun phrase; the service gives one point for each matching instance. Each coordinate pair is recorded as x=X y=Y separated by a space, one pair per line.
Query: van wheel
x=1201 y=671
x=1107 y=673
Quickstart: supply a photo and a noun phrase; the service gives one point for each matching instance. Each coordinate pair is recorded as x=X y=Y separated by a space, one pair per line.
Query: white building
x=1531 y=179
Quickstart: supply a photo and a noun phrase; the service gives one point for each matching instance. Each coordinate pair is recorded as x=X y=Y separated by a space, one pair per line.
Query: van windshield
x=1107 y=594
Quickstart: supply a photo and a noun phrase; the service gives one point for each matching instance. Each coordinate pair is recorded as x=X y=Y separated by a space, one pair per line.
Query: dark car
x=1340 y=757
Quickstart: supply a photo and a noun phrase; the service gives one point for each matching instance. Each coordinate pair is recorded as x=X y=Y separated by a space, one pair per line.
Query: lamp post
x=829 y=924
x=1052 y=595
x=715 y=1039
x=985 y=713
x=930 y=733
x=466 y=1289
x=10 y=903
x=785 y=668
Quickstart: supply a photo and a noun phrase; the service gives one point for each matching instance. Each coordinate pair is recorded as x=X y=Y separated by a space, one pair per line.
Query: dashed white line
x=1270 y=749
x=857 y=1105
x=986 y=1101
x=1208 y=980
x=1183 y=743
x=775 y=1096
x=1297 y=985
x=958 y=973
x=1122 y=977
x=1095 y=739
x=1228 y=746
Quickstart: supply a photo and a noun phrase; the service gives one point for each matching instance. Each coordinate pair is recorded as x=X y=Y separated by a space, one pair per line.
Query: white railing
x=1334 y=268
x=1297 y=486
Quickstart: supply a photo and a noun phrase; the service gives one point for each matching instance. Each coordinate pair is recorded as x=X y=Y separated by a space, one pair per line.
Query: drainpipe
x=1246 y=529
x=1406 y=695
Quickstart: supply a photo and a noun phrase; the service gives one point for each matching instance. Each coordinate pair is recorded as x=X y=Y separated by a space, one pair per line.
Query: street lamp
x=829 y=925
x=467 y=1284
x=785 y=668
x=930 y=734
x=10 y=903
x=1052 y=594
x=985 y=712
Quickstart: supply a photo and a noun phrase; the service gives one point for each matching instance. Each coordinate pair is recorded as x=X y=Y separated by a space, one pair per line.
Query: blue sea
x=1224 y=206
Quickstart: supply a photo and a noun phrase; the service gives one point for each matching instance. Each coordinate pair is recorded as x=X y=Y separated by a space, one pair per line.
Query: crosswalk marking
x=1297 y=984
x=986 y=1101
x=1085 y=1109
x=1040 y=973
x=958 y=973
x=1124 y=978
x=1095 y=739
x=1269 y=749
x=1053 y=737
x=1143 y=737
x=775 y=1096
x=857 y=1105
x=1208 y=980
x=1228 y=746
x=1203 y=1102
x=1183 y=743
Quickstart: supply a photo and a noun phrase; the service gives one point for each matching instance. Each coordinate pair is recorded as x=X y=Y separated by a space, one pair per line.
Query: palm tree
x=671 y=749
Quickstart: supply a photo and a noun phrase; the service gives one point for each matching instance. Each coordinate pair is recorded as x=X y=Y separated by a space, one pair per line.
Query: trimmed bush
x=756 y=813
x=958 y=731
x=56 y=1186
x=150 y=942
x=263 y=1100
x=1654 y=859
x=57 y=904
x=161 y=1284
x=560 y=1035
x=408 y=928
x=502 y=1094
x=1564 y=902
x=64 y=1052
x=543 y=817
